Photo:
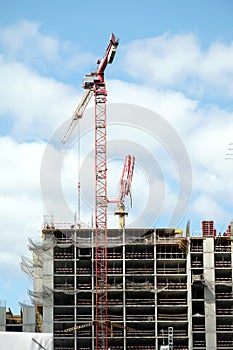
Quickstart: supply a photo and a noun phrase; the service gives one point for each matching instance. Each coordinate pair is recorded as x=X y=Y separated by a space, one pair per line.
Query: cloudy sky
x=170 y=92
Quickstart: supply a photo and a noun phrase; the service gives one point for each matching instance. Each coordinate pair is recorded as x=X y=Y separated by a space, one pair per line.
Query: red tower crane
x=94 y=83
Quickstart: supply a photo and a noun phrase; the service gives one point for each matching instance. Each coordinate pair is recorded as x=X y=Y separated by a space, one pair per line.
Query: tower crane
x=94 y=84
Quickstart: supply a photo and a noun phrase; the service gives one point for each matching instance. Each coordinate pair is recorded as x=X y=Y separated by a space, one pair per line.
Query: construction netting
x=63 y=238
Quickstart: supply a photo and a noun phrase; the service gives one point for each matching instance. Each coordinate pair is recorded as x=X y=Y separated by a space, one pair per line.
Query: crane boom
x=126 y=177
x=125 y=187
x=108 y=57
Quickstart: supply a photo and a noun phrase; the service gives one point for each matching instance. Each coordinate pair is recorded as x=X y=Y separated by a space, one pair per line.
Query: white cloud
x=216 y=68
x=26 y=42
x=20 y=201
x=164 y=60
x=208 y=208
x=179 y=110
x=20 y=167
x=20 y=211
x=20 y=38
x=35 y=104
x=179 y=61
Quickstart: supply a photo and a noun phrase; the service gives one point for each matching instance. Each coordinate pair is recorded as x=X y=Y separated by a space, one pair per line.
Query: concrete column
x=47 y=290
x=29 y=318
x=209 y=293
x=2 y=318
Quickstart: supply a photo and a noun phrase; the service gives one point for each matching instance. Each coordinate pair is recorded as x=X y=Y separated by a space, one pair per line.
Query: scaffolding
x=158 y=279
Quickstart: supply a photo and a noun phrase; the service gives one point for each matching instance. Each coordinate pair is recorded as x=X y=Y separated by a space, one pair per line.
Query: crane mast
x=101 y=217
x=94 y=83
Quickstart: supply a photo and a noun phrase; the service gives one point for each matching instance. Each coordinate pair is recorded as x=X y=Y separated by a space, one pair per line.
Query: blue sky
x=85 y=24
x=174 y=58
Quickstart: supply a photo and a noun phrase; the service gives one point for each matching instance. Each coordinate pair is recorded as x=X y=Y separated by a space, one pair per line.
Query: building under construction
x=166 y=289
